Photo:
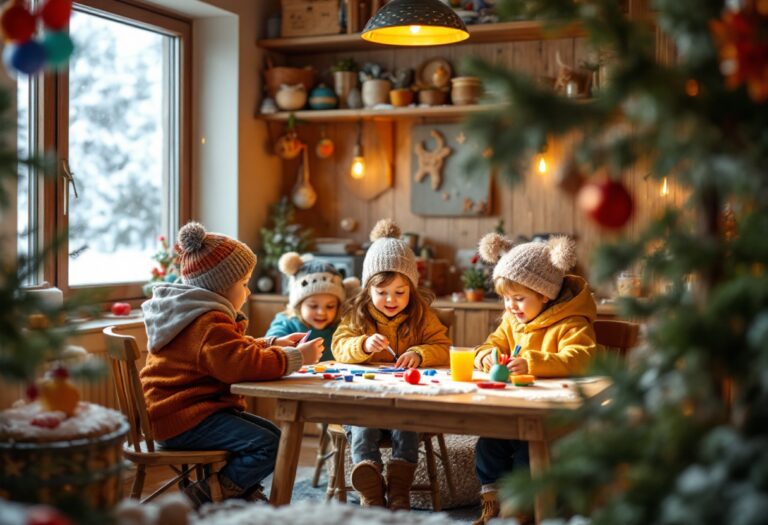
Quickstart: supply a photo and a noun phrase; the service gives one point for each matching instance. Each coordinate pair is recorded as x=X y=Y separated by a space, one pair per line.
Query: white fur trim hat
x=308 y=277
x=389 y=253
x=540 y=266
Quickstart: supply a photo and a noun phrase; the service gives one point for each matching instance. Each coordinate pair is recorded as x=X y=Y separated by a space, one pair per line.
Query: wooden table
x=304 y=398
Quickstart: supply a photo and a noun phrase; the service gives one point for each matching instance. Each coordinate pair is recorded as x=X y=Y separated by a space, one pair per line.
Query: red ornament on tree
x=56 y=13
x=608 y=203
x=17 y=22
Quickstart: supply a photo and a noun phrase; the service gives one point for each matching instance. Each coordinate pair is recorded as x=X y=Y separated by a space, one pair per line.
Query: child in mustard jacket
x=390 y=315
x=549 y=315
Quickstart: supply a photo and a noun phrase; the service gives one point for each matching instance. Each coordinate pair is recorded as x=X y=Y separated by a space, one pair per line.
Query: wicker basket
x=83 y=472
x=276 y=76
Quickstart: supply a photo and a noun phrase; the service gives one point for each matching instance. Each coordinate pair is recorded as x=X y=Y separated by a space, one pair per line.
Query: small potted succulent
x=474 y=279
x=401 y=94
x=344 y=79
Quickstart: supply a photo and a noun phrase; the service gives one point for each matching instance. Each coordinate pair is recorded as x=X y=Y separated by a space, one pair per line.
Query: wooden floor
x=156 y=476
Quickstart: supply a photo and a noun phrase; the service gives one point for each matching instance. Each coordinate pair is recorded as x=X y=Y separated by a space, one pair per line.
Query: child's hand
x=375 y=343
x=488 y=362
x=409 y=359
x=311 y=351
x=290 y=339
x=518 y=366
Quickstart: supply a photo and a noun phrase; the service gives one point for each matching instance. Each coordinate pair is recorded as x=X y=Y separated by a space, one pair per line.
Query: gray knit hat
x=211 y=260
x=389 y=253
x=308 y=276
x=540 y=266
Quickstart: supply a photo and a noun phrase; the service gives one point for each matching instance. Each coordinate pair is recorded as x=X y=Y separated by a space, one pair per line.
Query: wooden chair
x=140 y=447
x=337 y=479
x=617 y=336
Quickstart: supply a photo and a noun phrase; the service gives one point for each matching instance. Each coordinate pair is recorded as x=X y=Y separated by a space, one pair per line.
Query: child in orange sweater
x=198 y=348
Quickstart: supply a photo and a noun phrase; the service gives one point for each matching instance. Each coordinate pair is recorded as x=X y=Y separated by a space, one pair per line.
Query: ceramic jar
x=400 y=97
x=465 y=90
x=322 y=97
x=376 y=91
x=291 y=97
x=432 y=97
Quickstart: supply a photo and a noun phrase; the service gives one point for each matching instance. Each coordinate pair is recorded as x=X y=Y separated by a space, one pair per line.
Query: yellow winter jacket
x=430 y=340
x=559 y=342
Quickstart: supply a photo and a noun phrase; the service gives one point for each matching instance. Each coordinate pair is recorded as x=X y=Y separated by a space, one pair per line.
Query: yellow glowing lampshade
x=415 y=23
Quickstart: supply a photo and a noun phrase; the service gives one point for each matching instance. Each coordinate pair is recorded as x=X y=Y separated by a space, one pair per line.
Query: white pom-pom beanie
x=211 y=260
x=389 y=253
x=539 y=266
x=308 y=277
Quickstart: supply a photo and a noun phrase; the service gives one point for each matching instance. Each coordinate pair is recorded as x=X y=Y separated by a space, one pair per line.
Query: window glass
x=26 y=194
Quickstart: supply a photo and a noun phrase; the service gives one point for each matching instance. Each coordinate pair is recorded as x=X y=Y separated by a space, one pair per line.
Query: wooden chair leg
x=330 y=490
x=341 y=471
x=138 y=482
x=446 y=465
x=434 y=482
x=322 y=450
x=213 y=481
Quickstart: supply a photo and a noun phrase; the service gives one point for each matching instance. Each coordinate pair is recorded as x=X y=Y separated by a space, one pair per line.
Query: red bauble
x=124 y=308
x=412 y=376
x=60 y=372
x=17 y=23
x=31 y=392
x=56 y=13
x=608 y=203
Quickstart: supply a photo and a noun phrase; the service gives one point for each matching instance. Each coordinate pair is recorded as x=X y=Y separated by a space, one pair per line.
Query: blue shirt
x=283 y=325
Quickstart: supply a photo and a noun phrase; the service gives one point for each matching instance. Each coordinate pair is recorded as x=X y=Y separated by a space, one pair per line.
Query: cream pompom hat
x=389 y=253
x=539 y=266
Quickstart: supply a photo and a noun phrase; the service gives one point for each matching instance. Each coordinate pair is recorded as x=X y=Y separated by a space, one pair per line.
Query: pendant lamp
x=415 y=23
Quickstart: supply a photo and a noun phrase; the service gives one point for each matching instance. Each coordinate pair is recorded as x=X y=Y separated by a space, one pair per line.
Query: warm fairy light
x=664 y=188
x=357 y=170
x=542 y=165
x=414 y=29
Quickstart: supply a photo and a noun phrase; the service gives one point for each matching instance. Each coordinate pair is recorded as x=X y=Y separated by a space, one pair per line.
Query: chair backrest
x=123 y=353
x=618 y=336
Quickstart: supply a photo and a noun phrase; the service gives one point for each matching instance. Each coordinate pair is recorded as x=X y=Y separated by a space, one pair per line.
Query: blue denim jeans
x=496 y=457
x=251 y=440
x=364 y=444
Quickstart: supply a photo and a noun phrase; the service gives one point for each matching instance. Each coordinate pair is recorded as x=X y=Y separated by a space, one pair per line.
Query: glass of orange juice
x=462 y=363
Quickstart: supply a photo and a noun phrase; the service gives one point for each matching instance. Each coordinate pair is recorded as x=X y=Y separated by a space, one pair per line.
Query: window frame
x=53 y=121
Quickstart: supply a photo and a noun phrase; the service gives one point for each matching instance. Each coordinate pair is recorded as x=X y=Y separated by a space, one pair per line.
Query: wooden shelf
x=435 y=112
x=502 y=32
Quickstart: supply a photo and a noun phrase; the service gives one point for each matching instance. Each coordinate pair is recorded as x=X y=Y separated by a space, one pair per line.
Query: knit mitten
x=369 y=483
x=399 y=480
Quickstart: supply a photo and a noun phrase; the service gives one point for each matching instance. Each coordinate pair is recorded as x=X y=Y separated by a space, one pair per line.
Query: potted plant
x=344 y=74
x=474 y=280
x=401 y=94
x=375 y=84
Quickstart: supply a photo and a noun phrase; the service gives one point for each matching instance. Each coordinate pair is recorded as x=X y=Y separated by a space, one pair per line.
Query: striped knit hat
x=211 y=260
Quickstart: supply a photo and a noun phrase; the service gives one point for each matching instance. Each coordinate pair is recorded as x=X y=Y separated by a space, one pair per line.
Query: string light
x=357 y=168
x=542 y=166
x=664 y=188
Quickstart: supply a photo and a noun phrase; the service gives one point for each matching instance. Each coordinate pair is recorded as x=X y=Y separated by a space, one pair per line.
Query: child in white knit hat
x=546 y=329
x=389 y=320
x=317 y=291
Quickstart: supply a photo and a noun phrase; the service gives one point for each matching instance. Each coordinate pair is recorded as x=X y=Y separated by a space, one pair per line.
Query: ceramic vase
x=291 y=97
x=343 y=83
x=376 y=91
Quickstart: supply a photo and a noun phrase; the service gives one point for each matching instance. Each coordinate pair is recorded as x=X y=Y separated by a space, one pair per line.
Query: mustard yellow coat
x=559 y=342
x=430 y=340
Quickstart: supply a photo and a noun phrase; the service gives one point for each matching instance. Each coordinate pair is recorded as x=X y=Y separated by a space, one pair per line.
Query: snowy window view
x=121 y=146
x=24 y=190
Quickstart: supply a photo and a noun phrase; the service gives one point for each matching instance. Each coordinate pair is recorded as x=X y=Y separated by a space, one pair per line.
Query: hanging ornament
x=742 y=41
x=55 y=13
x=568 y=177
x=17 y=23
x=58 y=48
x=608 y=203
x=324 y=148
x=288 y=146
x=27 y=58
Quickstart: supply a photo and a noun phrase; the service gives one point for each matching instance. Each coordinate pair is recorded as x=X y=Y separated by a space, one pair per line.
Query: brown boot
x=399 y=480
x=369 y=483
x=491 y=508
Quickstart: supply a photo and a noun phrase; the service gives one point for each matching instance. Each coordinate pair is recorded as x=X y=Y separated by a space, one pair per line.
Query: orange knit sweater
x=188 y=379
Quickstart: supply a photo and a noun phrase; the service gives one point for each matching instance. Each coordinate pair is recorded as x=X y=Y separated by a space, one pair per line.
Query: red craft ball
x=412 y=376
x=17 y=23
x=121 y=308
x=608 y=203
x=56 y=13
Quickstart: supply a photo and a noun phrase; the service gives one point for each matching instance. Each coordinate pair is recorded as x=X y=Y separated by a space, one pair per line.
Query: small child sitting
x=317 y=292
x=198 y=348
x=390 y=315
x=549 y=315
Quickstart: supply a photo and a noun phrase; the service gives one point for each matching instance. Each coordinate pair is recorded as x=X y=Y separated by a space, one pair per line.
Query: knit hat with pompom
x=308 y=276
x=540 y=266
x=389 y=253
x=211 y=260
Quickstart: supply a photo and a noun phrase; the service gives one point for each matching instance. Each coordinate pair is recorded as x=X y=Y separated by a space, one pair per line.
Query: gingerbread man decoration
x=431 y=162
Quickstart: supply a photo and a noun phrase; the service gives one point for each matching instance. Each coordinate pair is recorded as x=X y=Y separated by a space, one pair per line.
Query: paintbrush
x=389 y=349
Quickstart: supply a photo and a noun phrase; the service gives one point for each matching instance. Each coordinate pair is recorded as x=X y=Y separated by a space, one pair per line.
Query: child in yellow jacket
x=389 y=320
x=548 y=318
